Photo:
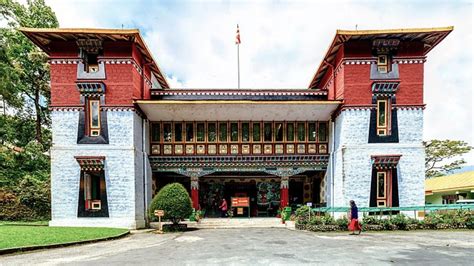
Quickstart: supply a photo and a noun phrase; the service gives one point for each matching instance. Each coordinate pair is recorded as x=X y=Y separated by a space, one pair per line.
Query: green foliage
x=27 y=80
x=438 y=152
x=343 y=222
x=303 y=210
x=29 y=201
x=174 y=200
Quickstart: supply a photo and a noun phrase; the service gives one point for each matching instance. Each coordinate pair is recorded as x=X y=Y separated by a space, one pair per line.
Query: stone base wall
x=353 y=167
x=124 y=176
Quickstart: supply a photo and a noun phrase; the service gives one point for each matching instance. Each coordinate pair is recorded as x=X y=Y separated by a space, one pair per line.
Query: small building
x=120 y=133
x=449 y=188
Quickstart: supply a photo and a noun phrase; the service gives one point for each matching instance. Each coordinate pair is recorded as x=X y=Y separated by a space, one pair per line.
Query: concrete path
x=263 y=246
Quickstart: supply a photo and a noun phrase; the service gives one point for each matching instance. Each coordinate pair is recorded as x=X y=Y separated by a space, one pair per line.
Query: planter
x=175 y=227
x=372 y=227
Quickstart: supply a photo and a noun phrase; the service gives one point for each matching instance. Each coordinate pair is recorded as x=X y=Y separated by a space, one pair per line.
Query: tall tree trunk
x=39 y=136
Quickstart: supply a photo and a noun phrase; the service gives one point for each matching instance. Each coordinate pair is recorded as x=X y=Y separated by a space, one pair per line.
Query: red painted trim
x=195 y=198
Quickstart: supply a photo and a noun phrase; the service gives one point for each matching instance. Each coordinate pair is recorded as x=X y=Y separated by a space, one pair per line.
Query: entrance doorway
x=263 y=194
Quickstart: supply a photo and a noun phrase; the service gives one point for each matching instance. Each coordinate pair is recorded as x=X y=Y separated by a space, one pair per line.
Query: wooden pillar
x=284 y=197
x=195 y=192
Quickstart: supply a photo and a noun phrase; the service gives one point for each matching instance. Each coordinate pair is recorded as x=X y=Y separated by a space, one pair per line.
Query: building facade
x=120 y=133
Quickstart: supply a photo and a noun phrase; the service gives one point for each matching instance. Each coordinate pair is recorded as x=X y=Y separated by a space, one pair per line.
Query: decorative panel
x=189 y=149
x=222 y=149
x=178 y=149
x=246 y=149
x=279 y=148
x=301 y=148
x=257 y=149
x=234 y=149
x=167 y=149
x=267 y=149
x=323 y=148
x=212 y=149
x=155 y=149
x=311 y=148
x=201 y=149
x=290 y=148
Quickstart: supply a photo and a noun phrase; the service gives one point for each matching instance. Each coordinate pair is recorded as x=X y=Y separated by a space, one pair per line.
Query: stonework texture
x=352 y=168
x=124 y=166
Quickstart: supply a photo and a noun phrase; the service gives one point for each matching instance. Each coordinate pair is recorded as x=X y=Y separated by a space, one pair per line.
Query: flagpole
x=238 y=67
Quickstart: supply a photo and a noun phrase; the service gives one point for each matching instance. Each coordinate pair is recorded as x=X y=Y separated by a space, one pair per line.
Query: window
x=200 y=134
x=189 y=132
x=322 y=132
x=245 y=132
x=301 y=131
x=278 y=131
x=223 y=132
x=267 y=132
x=167 y=133
x=311 y=131
x=91 y=62
x=381 y=178
x=92 y=191
x=256 y=132
x=155 y=132
x=382 y=64
x=234 y=132
x=290 y=132
x=383 y=117
x=178 y=132
x=94 y=117
x=211 y=132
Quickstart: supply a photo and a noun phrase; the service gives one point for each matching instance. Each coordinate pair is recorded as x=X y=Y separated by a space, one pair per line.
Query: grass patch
x=39 y=223
x=13 y=236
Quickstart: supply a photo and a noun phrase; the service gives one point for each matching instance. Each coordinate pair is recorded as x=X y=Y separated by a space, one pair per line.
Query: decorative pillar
x=195 y=192
x=284 y=197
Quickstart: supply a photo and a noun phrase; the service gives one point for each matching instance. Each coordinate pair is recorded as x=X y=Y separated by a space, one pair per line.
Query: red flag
x=237 y=36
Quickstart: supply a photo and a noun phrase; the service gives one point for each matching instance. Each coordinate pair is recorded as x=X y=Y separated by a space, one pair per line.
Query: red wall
x=123 y=82
x=353 y=83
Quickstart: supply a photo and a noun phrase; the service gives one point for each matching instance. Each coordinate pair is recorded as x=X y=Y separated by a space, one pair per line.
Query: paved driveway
x=264 y=247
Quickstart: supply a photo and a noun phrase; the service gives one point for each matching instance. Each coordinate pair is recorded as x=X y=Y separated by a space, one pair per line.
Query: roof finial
x=356 y=26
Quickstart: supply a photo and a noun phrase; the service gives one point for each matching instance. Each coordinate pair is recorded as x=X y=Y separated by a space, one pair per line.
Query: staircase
x=222 y=223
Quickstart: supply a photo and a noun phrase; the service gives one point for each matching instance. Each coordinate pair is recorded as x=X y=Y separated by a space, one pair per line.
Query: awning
x=212 y=110
x=385 y=161
x=91 y=163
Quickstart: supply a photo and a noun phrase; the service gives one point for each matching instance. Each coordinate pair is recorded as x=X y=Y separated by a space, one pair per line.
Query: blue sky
x=283 y=43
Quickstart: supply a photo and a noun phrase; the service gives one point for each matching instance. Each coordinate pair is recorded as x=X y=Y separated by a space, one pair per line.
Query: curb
x=50 y=246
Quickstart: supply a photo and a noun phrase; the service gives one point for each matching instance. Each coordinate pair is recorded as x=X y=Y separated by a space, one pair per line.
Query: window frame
x=383 y=129
x=93 y=131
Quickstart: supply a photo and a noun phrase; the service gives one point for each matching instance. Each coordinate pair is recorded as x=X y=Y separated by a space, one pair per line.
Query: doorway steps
x=224 y=223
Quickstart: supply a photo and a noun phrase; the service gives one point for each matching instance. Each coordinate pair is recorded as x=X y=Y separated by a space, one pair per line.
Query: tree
x=440 y=154
x=174 y=200
x=25 y=72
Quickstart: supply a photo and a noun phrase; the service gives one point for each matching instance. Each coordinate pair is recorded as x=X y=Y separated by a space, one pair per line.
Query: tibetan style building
x=120 y=133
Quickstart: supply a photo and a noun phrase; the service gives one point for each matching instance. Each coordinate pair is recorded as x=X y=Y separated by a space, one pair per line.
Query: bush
x=303 y=211
x=342 y=222
x=174 y=200
x=29 y=201
x=400 y=221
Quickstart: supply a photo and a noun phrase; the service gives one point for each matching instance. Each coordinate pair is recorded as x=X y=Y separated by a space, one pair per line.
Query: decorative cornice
x=91 y=163
x=64 y=61
x=219 y=92
x=66 y=108
x=385 y=161
x=230 y=163
x=122 y=61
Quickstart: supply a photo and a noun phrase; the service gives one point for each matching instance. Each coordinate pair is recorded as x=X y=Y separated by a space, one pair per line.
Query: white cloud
x=284 y=42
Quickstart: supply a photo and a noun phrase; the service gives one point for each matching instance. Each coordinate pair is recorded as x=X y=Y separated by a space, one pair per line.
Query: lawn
x=24 y=236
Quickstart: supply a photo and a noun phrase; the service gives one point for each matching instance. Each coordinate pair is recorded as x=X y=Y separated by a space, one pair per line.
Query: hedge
x=452 y=219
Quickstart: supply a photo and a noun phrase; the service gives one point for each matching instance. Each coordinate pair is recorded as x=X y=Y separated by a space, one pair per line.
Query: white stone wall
x=123 y=170
x=353 y=169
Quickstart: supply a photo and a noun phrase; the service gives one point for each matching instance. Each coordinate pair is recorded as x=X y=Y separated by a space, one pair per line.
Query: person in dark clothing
x=354 y=218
